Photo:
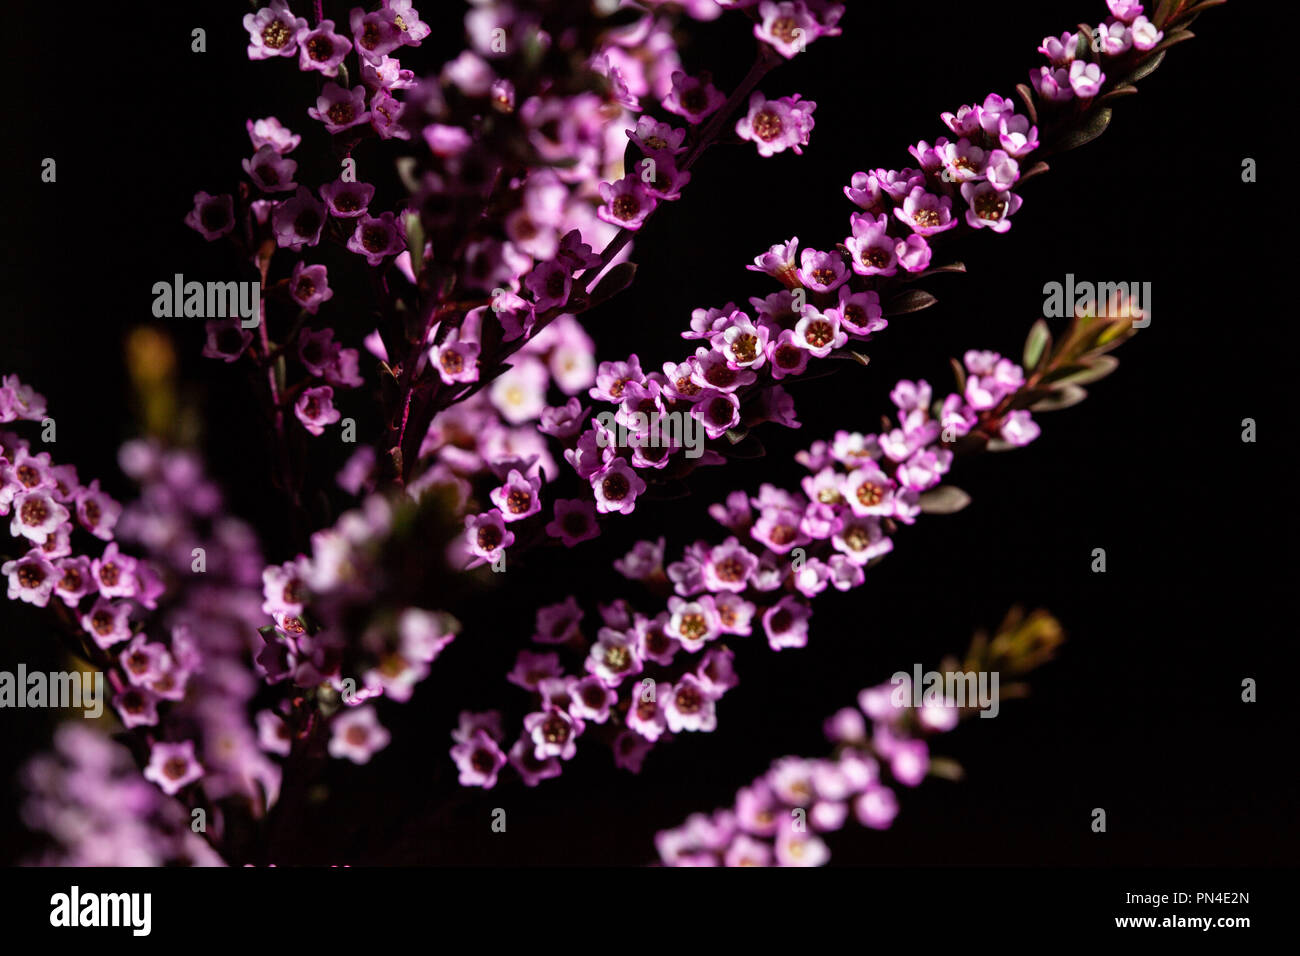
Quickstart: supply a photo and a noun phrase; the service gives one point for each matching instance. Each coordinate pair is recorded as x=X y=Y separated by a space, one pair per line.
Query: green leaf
x=1089 y=130
x=946 y=768
x=1035 y=170
x=1122 y=89
x=414 y=241
x=959 y=374
x=852 y=356
x=1037 y=344
x=1178 y=36
x=1027 y=95
x=1163 y=10
x=951 y=267
x=613 y=282
x=1065 y=397
x=1097 y=369
x=1145 y=68
x=737 y=435
x=944 y=500
x=913 y=300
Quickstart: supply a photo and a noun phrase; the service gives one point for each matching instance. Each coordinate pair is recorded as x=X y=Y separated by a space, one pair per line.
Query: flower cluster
x=89 y=797
x=649 y=676
x=782 y=817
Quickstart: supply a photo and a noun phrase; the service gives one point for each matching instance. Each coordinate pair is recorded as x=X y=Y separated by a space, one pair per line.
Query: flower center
x=990 y=206
x=745 y=347
x=275 y=34
x=30 y=576
x=319 y=48
x=341 y=113
x=819 y=334
x=767 y=126
x=451 y=361
x=625 y=207
x=34 y=512
x=926 y=217
x=870 y=494
x=615 y=487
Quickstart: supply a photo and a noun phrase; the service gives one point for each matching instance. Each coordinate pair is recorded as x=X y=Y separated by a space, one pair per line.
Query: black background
x=1141 y=714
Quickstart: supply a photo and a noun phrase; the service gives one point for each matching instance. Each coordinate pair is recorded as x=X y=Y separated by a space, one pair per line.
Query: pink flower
x=357 y=735
x=315 y=409
x=273 y=31
x=172 y=766
x=777 y=125
x=574 y=521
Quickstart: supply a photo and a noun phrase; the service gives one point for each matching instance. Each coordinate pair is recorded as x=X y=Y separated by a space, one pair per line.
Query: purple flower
x=822 y=271
x=479 y=759
x=172 y=766
x=272 y=172
x=1017 y=136
x=375 y=238
x=518 y=498
x=1125 y=10
x=115 y=573
x=688 y=706
x=532 y=769
x=1145 y=35
x=340 y=109
x=273 y=31
x=226 y=339
x=989 y=206
x=692 y=623
x=315 y=409
x=716 y=411
x=926 y=213
x=554 y=733
x=376 y=34
x=819 y=332
x=1086 y=79
x=271 y=132
x=616 y=487
x=876 y=807
x=486 y=535
x=627 y=203
x=1052 y=85
x=574 y=521
x=357 y=735
x=36 y=515
x=298 y=221
x=871 y=249
x=347 y=200
x=790 y=27
x=322 y=49
x=97 y=512
x=212 y=216
x=1019 y=428
x=456 y=359
x=786 y=623
x=777 y=125
x=32 y=578
x=693 y=98
x=309 y=286
x=655 y=138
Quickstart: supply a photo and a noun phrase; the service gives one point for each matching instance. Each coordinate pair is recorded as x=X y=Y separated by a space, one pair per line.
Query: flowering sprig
x=651 y=676
x=830 y=303
x=782 y=817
